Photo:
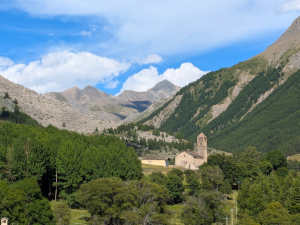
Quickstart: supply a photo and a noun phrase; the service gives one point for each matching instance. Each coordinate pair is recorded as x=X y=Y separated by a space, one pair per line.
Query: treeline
x=268 y=194
x=15 y=115
x=114 y=202
x=272 y=124
x=193 y=113
x=58 y=161
x=101 y=174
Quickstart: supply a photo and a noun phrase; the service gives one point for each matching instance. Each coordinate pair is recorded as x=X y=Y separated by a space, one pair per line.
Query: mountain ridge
x=224 y=98
x=81 y=110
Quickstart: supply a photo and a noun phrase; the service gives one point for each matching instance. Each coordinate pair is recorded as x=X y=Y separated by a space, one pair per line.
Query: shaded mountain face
x=240 y=106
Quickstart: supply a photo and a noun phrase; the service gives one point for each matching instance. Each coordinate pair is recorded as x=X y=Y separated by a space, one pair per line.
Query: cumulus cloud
x=171 y=27
x=61 y=70
x=147 y=78
x=291 y=5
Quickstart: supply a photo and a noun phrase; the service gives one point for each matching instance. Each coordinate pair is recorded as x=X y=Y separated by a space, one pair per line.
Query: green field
x=78 y=217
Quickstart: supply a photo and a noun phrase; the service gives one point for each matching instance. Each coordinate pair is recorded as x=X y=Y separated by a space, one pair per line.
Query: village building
x=154 y=161
x=192 y=160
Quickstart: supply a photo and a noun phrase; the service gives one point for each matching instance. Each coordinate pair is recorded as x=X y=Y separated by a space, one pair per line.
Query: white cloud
x=184 y=75
x=5 y=62
x=291 y=5
x=61 y=70
x=171 y=26
x=150 y=59
x=147 y=78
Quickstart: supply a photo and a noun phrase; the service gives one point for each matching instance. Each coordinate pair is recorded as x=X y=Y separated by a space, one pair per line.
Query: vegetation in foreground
x=98 y=180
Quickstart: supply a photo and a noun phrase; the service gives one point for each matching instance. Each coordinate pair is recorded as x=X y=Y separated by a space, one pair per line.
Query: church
x=192 y=160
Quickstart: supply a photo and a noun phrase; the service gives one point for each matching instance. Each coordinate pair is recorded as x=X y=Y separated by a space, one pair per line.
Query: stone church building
x=192 y=160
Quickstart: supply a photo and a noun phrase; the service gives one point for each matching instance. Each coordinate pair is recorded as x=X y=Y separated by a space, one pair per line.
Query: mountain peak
x=72 y=89
x=289 y=41
x=93 y=92
x=164 y=85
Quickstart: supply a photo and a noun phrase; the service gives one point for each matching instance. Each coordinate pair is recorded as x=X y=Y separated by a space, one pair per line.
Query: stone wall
x=154 y=162
x=187 y=161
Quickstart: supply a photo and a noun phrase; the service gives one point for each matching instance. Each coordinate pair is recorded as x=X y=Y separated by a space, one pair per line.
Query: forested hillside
x=39 y=163
x=255 y=102
x=100 y=175
x=274 y=124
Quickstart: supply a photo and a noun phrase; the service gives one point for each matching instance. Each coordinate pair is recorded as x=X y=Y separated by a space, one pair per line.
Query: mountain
x=256 y=102
x=9 y=111
x=83 y=110
x=88 y=101
x=124 y=107
x=48 y=110
x=161 y=90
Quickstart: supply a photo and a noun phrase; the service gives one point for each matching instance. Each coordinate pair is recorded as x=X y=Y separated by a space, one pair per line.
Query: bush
x=61 y=212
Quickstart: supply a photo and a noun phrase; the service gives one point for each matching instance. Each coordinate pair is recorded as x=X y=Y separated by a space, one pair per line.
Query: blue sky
x=53 y=45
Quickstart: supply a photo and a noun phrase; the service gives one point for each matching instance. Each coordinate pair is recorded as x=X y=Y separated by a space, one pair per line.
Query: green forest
x=273 y=124
x=39 y=164
x=47 y=173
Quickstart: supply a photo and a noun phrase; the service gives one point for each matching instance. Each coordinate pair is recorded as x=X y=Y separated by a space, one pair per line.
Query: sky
x=118 y=45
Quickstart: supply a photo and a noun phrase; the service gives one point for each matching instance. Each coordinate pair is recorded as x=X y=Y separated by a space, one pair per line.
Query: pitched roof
x=195 y=155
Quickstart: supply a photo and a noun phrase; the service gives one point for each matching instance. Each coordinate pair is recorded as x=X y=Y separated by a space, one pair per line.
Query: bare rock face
x=47 y=110
x=158 y=119
x=162 y=90
x=286 y=46
x=125 y=107
x=6 y=103
x=84 y=110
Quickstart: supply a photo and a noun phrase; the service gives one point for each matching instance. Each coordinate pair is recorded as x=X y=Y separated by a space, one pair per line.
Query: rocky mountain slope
x=221 y=103
x=128 y=105
x=50 y=111
x=84 y=110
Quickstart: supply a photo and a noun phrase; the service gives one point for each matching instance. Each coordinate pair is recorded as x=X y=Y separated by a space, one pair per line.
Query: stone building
x=4 y=221
x=192 y=160
x=154 y=161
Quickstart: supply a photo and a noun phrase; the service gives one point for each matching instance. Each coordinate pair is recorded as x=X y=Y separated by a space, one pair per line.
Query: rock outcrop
x=85 y=110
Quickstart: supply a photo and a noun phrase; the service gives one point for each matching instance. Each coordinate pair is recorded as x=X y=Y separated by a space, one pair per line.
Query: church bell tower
x=202 y=146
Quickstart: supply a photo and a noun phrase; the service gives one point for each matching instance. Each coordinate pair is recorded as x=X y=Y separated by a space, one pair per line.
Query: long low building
x=154 y=161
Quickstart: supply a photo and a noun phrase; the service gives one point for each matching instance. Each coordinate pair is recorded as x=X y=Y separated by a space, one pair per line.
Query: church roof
x=196 y=155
